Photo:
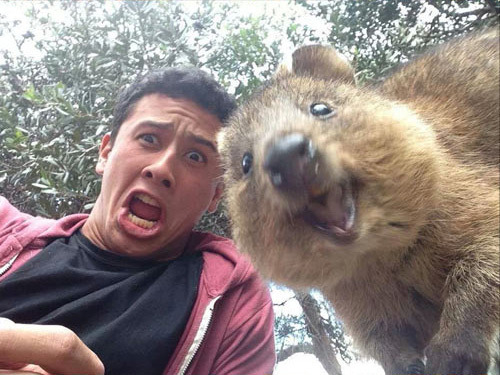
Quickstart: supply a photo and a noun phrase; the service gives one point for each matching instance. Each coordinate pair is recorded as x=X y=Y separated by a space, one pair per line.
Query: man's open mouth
x=144 y=211
x=332 y=211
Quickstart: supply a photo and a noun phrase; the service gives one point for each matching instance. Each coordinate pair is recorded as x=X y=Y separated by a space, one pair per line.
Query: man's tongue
x=144 y=211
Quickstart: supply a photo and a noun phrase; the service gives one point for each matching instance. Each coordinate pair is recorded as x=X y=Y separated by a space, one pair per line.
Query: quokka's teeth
x=147 y=199
x=146 y=224
x=316 y=190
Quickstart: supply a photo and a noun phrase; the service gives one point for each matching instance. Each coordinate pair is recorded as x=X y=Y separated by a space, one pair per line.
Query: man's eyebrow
x=195 y=138
x=156 y=124
x=203 y=141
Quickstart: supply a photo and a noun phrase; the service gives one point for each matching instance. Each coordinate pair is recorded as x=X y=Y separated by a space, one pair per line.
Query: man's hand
x=55 y=349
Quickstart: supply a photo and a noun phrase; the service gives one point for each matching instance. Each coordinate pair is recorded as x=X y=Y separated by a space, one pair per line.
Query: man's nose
x=162 y=169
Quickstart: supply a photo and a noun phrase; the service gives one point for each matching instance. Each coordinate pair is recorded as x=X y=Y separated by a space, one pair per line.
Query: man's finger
x=54 y=348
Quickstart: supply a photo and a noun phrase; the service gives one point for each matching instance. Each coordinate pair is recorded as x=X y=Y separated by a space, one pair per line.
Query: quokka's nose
x=287 y=159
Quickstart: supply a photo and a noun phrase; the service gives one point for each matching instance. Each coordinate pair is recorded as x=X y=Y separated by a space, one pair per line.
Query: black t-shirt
x=130 y=312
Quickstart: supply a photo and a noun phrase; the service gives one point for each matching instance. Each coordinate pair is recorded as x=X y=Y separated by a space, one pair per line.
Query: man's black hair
x=178 y=83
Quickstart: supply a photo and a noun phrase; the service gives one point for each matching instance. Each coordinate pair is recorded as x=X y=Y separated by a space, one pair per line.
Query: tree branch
x=291 y=350
x=476 y=12
x=284 y=302
x=494 y=6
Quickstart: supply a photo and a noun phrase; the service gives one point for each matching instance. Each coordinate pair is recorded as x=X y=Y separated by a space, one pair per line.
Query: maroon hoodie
x=230 y=330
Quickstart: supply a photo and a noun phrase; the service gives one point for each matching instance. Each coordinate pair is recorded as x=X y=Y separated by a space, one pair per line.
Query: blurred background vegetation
x=63 y=62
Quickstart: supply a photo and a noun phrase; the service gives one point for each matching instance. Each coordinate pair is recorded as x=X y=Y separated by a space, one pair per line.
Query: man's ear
x=219 y=189
x=104 y=150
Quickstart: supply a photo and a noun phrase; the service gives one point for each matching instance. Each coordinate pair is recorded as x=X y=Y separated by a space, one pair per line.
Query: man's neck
x=168 y=252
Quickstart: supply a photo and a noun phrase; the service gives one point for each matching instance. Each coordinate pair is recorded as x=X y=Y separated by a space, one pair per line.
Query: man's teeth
x=147 y=199
x=146 y=224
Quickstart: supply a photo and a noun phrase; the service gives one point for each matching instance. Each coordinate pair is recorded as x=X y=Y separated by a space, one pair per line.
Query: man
x=132 y=288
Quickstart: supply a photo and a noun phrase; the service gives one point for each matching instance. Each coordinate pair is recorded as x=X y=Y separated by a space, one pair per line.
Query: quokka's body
x=384 y=198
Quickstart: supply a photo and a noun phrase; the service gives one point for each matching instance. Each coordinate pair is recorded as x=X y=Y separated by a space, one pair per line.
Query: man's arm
x=56 y=349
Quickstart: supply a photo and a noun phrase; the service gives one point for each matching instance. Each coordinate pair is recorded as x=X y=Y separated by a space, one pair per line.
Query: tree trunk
x=322 y=346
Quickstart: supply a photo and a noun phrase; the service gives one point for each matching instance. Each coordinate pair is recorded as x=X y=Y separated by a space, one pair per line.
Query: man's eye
x=196 y=156
x=149 y=138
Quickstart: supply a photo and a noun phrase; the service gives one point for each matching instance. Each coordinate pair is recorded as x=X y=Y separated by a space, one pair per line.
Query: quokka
x=385 y=198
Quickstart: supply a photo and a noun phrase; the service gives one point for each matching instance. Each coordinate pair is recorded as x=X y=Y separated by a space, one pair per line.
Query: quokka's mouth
x=298 y=172
x=333 y=211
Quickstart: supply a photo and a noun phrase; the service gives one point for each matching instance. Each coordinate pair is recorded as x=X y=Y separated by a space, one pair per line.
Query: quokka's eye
x=322 y=111
x=246 y=163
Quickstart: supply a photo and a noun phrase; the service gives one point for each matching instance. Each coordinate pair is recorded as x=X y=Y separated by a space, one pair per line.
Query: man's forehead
x=162 y=109
x=161 y=104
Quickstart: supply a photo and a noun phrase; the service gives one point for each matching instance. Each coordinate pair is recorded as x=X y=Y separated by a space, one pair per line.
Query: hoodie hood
x=220 y=261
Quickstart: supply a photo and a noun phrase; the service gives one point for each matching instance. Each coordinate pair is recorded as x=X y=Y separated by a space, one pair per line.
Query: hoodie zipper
x=200 y=335
x=9 y=264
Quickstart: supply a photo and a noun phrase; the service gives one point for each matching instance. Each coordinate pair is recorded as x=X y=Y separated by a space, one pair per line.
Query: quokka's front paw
x=459 y=357
x=416 y=368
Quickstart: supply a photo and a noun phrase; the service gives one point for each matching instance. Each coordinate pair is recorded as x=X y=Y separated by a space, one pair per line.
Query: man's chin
x=147 y=244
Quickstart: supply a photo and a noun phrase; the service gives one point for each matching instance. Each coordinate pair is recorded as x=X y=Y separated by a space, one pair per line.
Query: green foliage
x=245 y=50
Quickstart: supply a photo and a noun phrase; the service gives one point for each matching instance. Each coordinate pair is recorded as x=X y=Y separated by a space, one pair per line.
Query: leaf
x=41 y=186
x=30 y=93
x=88 y=206
x=58 y=109
x=50 y=191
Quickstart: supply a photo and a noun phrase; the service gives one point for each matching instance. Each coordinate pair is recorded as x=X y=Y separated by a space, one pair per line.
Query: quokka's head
x=321 y=175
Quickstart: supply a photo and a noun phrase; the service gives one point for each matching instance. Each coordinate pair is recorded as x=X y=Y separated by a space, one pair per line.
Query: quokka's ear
x=322 y=62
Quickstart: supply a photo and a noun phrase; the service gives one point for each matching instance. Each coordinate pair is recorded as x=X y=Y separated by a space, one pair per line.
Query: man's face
x=159 y=176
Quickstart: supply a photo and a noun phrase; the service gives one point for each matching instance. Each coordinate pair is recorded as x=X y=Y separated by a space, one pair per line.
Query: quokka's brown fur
x=384 y=198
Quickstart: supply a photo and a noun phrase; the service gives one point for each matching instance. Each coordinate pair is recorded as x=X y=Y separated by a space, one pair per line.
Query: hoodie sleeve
x=23 y=235
x=9 y=218
x=26 y=228
x=10 y=221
